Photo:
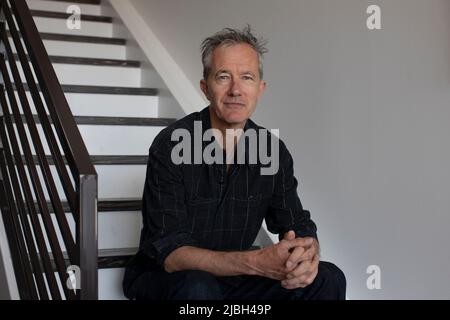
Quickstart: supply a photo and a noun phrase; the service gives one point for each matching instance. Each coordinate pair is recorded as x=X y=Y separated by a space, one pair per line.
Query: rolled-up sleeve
x=285 y=210
x=163 y=206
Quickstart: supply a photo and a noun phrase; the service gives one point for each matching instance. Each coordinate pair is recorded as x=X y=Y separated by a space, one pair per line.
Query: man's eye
x=223 y=77
x=247 y=77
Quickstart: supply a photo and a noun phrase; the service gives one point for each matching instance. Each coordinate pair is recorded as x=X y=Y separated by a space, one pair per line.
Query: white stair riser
x=116 y=230
x=119 y=229
x=94 y=75
x=107 y=105
x=113 y=105
x=114 y=181
x=98 y=75
x=110 y=284
x=112 y=140
x=84 y=50
x=87 y=28
x=121 y=181
x=62 y=6
x=119 y=140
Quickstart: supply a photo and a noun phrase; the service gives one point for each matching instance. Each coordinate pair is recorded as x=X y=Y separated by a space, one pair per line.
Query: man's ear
x=204 y=88
x=262 y=88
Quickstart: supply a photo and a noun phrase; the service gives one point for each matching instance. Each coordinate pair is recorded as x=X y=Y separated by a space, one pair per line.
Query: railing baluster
x=24 y=179
x=12 y=180
x=82 y=197
x=37 y=187
x=17 y=246
x=52 y=191
x=53 y=145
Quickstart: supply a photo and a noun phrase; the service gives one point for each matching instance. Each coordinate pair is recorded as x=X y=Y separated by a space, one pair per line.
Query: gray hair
x=229 y=36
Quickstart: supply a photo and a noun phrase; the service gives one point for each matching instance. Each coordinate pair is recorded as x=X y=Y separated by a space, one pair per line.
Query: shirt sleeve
x=285 y=210
x=163 y=206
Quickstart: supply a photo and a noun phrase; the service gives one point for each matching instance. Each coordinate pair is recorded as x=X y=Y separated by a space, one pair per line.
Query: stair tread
x=71 y=88
x=104 y=205
x=79 y=38
x=91 y=61
x=121 y=121
x=107 y=258
x=96 y=2
x=104 y=159
x=63 y=15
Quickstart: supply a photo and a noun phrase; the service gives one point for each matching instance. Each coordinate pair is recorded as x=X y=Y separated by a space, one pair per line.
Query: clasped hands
x=293 y=261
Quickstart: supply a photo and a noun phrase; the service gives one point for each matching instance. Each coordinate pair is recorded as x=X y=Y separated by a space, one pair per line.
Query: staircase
x=117 y=118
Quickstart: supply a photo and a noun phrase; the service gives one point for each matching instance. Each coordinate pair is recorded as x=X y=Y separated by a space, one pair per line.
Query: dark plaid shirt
x=209 y=207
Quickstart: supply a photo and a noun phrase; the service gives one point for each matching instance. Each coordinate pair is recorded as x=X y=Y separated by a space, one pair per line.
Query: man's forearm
x=218 y=263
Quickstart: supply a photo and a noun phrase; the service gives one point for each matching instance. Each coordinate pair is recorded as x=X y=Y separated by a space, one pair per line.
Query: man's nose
x=235 y=88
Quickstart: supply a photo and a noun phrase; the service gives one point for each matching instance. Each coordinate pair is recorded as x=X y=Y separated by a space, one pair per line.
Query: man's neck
x=232 y=140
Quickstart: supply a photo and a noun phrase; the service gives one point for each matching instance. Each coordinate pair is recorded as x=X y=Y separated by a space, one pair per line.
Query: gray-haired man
x=200 y=220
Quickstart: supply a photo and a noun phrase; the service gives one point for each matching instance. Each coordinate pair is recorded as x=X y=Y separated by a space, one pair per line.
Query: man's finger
x=307 y=255
x=299 y=242
x=313 y=274
x=303 y=275
x=294 y=258
x=302 y=269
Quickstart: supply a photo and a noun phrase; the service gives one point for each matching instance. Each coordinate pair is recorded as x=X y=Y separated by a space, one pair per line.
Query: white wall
x=366 y=115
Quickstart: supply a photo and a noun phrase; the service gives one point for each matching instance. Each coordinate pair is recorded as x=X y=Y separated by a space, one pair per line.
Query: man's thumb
x=289 y=235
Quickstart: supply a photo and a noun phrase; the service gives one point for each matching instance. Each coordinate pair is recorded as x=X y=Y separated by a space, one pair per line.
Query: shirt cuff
x=164 y=246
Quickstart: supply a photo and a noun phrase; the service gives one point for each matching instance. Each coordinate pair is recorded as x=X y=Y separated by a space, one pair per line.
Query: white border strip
x=175 y=79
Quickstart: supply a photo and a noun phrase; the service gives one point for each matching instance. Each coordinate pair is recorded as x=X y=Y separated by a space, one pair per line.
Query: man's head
x=232 y=74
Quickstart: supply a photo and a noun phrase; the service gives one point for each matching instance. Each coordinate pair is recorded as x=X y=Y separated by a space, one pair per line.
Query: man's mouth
x=234 y=104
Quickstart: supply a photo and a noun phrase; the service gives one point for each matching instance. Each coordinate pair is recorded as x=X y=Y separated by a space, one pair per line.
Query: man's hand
x=270 y=262
x=302 y=264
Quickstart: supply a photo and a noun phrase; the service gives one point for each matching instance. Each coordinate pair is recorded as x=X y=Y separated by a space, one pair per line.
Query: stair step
x=112 y=121
x=115 y=258
x=107 y=258
x=57 y=22
x=95 y=75
x=92 y=61
x=107 y=105
x=105 y=205
x=97 y=2
x=62 y=15
x=79 y=38
x=102 y=160
x=48 y=5
x=70 y=88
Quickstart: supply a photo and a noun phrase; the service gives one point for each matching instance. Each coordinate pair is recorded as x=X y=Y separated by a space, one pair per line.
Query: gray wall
x=366 y=115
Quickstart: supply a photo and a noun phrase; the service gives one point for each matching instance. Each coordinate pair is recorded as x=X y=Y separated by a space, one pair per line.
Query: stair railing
x=50 y=261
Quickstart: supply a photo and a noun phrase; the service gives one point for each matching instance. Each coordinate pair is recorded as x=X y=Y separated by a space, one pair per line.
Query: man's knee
x=194 y=285
x=333 y=277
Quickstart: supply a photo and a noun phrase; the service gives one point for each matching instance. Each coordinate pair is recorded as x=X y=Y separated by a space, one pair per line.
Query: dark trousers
x=329 y=284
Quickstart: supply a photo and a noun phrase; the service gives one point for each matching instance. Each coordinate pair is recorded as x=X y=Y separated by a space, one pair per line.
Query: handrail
x=33 y=236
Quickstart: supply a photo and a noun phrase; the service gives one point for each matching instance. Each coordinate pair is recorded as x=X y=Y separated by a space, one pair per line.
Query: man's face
x=233 y=86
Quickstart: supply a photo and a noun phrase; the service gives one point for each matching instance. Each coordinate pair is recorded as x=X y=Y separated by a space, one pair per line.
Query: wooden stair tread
x=63 y=15
x=91 y=61
x=136 y=91
x=110 y=121
x=79 y=38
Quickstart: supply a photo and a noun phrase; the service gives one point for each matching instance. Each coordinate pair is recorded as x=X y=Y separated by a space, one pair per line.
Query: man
x=200 y=220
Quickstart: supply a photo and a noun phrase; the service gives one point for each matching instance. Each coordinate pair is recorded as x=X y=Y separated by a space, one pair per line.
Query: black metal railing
x=42 y=244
